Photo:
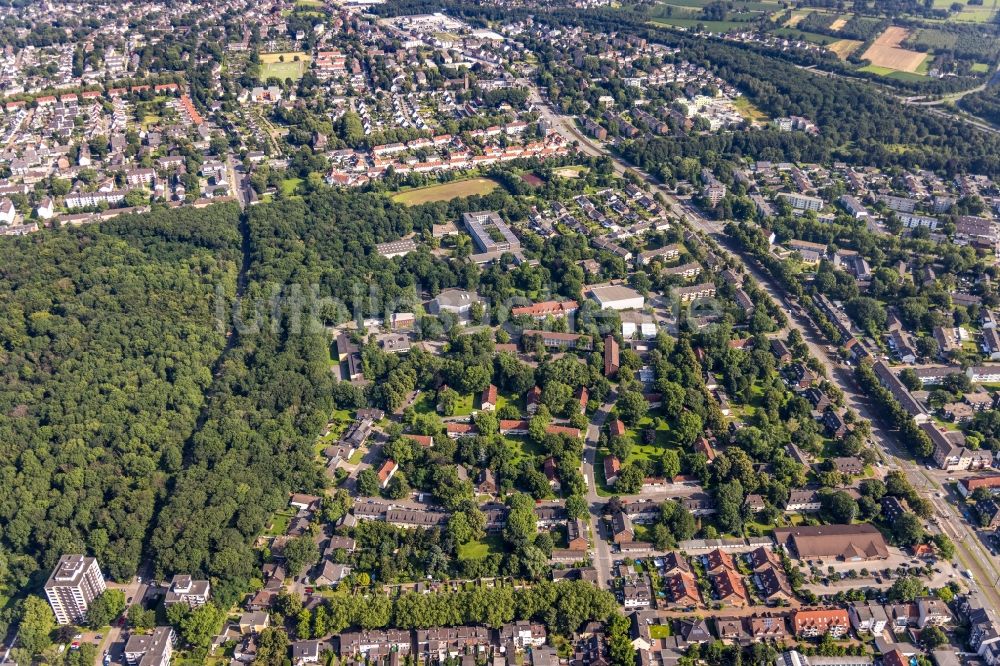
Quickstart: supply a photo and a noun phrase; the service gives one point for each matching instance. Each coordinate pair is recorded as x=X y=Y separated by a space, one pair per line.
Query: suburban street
x=603 y=558
x=970 y=552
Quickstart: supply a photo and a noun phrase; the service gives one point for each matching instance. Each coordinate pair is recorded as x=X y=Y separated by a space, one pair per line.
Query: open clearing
x=446 y=191
x=844 y=47
x=886 y=52
x=746 y=109
x=570 y=171
x=838 y=24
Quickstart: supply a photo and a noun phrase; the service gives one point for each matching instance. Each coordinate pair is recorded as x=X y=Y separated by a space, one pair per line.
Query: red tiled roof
x=423 y=440
x=387 y=468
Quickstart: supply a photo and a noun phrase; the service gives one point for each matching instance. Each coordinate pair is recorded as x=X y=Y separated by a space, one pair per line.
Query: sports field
x=886 y=52
x=283 y=65
x=446 y=191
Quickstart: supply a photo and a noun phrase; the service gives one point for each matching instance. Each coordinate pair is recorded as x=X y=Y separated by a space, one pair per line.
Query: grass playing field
x=446 y=191
x=283 y=65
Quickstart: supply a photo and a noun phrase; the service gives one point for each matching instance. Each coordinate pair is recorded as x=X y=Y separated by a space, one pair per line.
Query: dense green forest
x=985 y=104
x=275 y=389
x=107 y=342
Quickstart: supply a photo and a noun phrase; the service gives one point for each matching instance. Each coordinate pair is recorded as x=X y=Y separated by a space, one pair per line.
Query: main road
x=969 y=551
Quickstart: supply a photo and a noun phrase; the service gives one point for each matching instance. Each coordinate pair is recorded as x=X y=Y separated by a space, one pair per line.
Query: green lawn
x=290 y=185
x=279 y=523
x=980 y=68
x=602 y=484
x=908 y=76
x=649 y=451
x=427 y=404
x=477 y=550
x=875 y=69
x=658 y=631
x=522 y=447
x=464 y=405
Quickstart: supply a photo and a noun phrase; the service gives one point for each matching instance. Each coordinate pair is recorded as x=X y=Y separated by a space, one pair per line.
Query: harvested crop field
x=844 y=47
x=886 y=52
x=795 y=19
x=838 y=24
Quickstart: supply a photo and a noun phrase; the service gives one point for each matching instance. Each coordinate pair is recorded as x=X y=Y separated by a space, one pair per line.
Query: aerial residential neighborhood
x=398 y=332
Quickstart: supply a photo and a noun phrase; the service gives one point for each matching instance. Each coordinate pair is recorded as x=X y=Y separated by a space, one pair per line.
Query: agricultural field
x=446 y=191
x=693 y=24
x=796 y=18
x=838 y=24
x=283 y=65
x=844 y=47
x=689 y=14
x=812 y=37
x=970 y=13
x=885 y=52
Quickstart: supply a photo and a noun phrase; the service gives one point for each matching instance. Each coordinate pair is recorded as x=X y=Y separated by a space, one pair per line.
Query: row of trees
x=563 y=606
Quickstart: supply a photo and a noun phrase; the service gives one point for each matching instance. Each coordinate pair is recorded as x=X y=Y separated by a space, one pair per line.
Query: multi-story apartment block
x=75 y=582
